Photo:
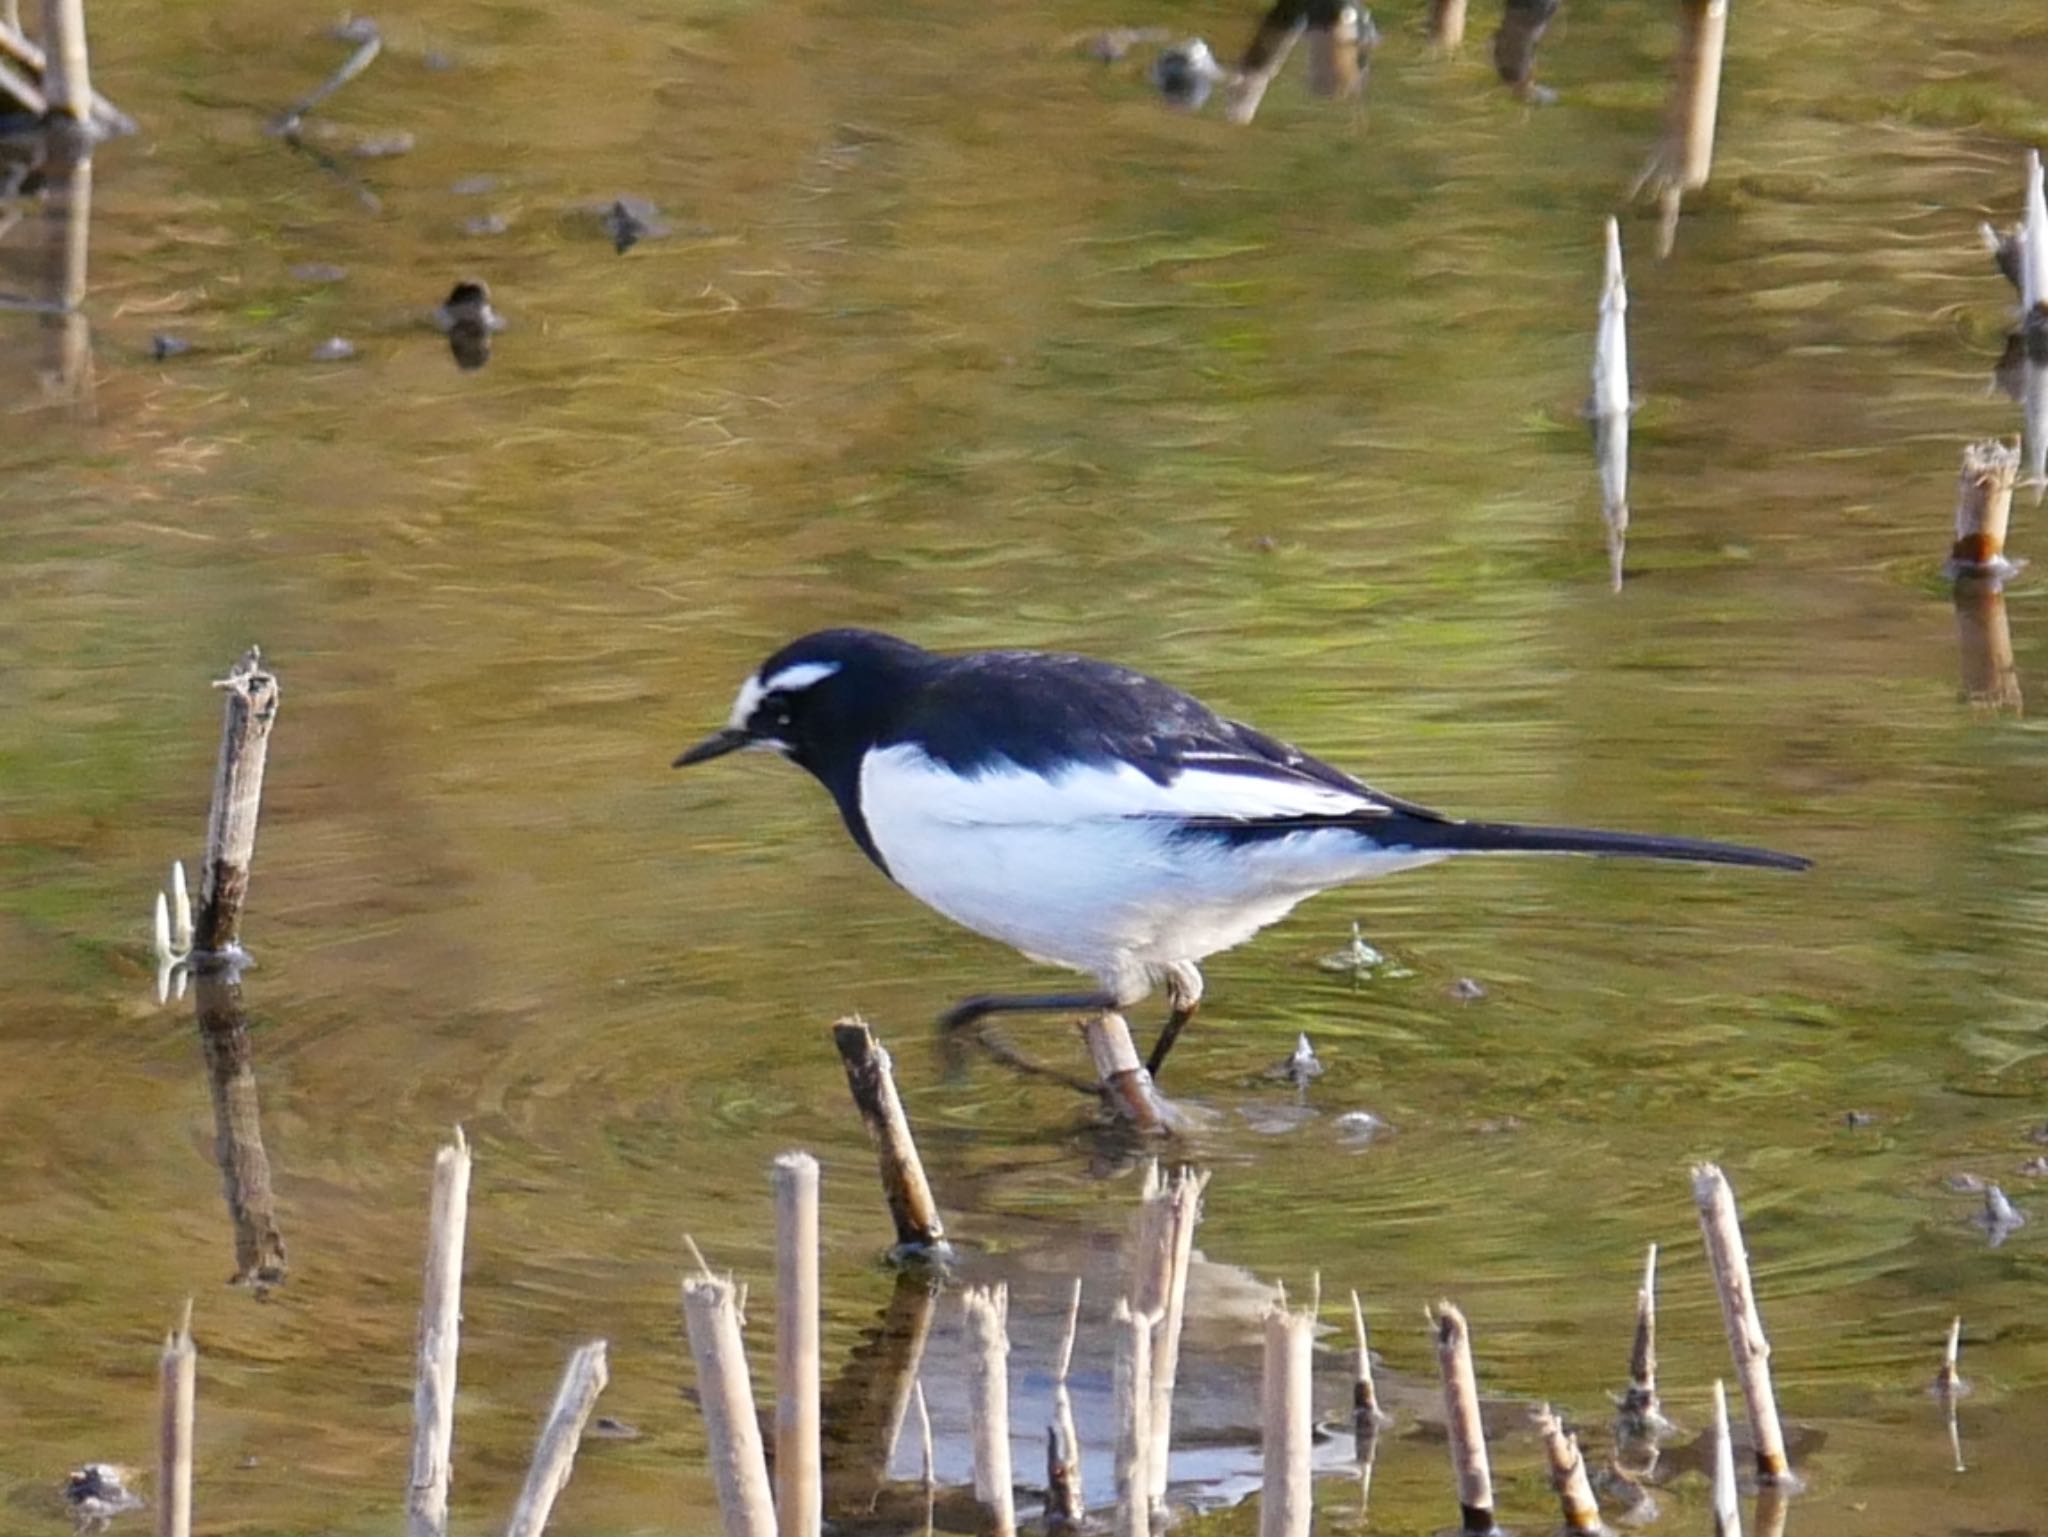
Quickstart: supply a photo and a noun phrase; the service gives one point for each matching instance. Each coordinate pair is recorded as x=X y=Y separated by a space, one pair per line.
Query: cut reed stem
x=871 y=1076
x=177 y=1373
x=987 y=1311
x=799 y=1501
x=433 y=1402
x=1126 y=1086
x=739 y=1463
x=1568 y=1474
x=554 y=1455
x=1462 y=1420
x=1286 y=1507
x=1131 y=1333
x=1729 y=1259
x=251 y=711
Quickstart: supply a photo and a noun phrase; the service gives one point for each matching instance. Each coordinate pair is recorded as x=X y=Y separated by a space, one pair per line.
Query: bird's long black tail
x=1514 y=838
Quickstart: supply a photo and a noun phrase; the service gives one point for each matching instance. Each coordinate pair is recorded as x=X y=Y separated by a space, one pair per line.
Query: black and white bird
x=1093 y=817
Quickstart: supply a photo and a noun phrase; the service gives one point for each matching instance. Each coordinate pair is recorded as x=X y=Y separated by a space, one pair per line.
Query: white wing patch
x=905 y=780
x=790 y=680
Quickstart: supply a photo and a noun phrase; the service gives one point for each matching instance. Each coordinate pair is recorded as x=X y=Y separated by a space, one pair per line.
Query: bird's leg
x=1184 y=993
x=968 y=1010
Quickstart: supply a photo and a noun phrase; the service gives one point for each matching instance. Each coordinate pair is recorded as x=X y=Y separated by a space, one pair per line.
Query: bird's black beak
x=717 y=745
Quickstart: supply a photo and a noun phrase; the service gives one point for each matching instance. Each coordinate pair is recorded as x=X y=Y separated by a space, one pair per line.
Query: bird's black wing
x=1047 y=712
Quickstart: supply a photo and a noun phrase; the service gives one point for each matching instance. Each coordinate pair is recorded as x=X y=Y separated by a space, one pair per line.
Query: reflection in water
x=864 y=1409
x=1522 y=25
x=237 y=1129
x=1610 y=404
x=55 y=164
x=2022 y=376
x=1684 y=157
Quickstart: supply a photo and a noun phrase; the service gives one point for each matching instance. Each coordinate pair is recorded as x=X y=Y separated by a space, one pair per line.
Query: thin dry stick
x=433 y=1401
x=1066 y=1505
x=25 y=92
x=1984 y=506
x=1366 y=1414
x=1722 y=1226
x=1126 y=1085
x=1461 y=1419
x=1132 y=1334
x=1641 y=1414
x=252 y=699
x=799 y=1500
x=988 y=1401
x=177 y=1373
x=554 y=1455
x=871 y=1077
x=1727 y=1510
x=67 y=79
x=1447 y=23
x=1568 y=1474
x=1159 y=1289
x=1948 y=1387
x=1285 y=1505
x=739 y=1462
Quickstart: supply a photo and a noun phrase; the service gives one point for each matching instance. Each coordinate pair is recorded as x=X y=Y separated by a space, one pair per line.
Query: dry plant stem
x=1984 y=503
x=1751 y=1351
x=1949 y=1381
x=1462 y=1421
x=67 y=79
x=1991 y=679
x=1727 y=1510
x=1610 y=347
x=872 y=1078
x=1165 y=1245
x=2033 y=241
x=1247 y=88
x=739 y=1463
x=1641 y=1413
x=799 y=1502
x=1447 y=23
x=107 y=118
x=177 y=1373
x=252 y=699
x=1285 y=1506
x=433 y=1402
x=1125 y=1084
x=1696 y=92
x=1568 y=1474
x=554 y=1455
x=238 y=1130
x=1132 y=1336
x=988 y=1401
x=24 y=91
x=1366 y=1414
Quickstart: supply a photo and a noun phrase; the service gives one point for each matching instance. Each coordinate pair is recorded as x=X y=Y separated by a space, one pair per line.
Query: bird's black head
x=820 y=701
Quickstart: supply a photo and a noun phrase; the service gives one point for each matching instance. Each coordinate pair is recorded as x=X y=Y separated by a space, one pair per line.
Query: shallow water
x=960 y=333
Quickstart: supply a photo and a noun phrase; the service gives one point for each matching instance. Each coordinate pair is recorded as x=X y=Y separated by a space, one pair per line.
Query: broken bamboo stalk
x=987 y=1310
x=554 y=1455
x=1984 y=508
x=433 y=1402
x=1286 y=1506
x=1462 y=1420
x=1727 y=1507
x=1066 y=1505
x=177 y=1373
x=251 y=711
x=1696 y=90
x=1568 y=1474
x=1159 y=1289
x=67 y=75
x=1126 y=1086
x=1642 y=1416
x=1722 y=1226
x=1131 y=1333
x=1447 y=23
x=871 y=1076
x=799 y=1498
x=739 y=1463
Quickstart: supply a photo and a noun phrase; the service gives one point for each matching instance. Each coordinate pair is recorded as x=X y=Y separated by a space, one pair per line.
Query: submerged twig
x=287 y=123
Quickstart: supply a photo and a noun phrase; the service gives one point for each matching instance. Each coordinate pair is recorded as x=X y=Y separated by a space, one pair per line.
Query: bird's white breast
x=1085 y=867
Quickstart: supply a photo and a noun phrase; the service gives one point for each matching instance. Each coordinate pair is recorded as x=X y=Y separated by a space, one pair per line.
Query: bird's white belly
x=1120 y=897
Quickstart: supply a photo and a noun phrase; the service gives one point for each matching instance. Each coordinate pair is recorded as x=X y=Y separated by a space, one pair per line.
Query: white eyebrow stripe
x=793 y=678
